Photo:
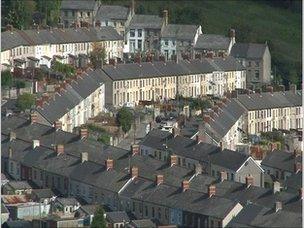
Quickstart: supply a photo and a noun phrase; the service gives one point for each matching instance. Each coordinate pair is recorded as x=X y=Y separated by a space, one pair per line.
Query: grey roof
x=112 y=12
x=67 y=201
x=146 y=22
x=257 y=216
x=248 y=50
x=293 y=182
x=229 y=159
x=56 y=36
x=281 y=160
x=18 y=185
x=43 y=193
x=117 y=217
x=142 y=223
x=88 y=209
x=75 y=92
x=267 y=100
x=79 y=5
x=3 y=208
x=228 y=63
x=179 y=32
x=212 y=42
x=225 y=119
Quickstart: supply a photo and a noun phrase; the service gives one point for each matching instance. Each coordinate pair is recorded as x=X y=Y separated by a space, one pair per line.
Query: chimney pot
x=134 y=172
x=211 y=190
x=159 y=179
x=278 y=206
x=36 y=143
x=34 y=118
x=249 y=181
x=12 y=135
x=185 y=185
x=223 y=176
x=39 y=103
x=58 y=125
x=173 y=160
x=109 y=164
x=84 y=157
x=135 y=149
x=60 y=149
x=84 y=133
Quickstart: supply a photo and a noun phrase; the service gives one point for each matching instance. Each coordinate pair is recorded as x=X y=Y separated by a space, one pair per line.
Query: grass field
x=254 y=21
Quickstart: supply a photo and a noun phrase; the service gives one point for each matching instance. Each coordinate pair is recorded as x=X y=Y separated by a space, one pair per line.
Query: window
x=257 y=63
x=146 y=210
x=89 y=14
x=132 y=32
x=277 y=174
x=232 y=176
x=73 y=13
x=139 y=33
x=257 y=74
x=139 y=44
x=166 y=42
x=80 y=14
x=66 y=13
x=153 y=212
x=159 y=213
x=133 y=206
x=213 y=173
x=249 y=63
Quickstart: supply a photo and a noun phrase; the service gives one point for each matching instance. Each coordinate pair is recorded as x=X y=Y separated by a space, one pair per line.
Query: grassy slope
x=280 y=27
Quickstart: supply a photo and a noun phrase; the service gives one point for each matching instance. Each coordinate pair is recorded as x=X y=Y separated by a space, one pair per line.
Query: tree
x=50 y=11
x=293 y=77
x=6 y=78
x=25 y=101
x=98 y=219
x=98 y=55
x=66 y=69
x=124 y=119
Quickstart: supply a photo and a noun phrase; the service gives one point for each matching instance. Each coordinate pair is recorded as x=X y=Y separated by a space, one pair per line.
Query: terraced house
x=35 y=47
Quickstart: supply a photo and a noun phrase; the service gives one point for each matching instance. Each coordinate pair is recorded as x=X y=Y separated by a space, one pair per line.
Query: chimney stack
x=199 y=138
x=39 y=103
x=185 y=185
x=109 y=164
x=36 y=143
x=173 y=160
x=135 y=149
x=207 y=119
x=249 y=181
x=60 y=149
x=165 y=16
x=276 y=187
x=84 y=133
x=84 y=157
x=159 y=179
x=231 y=33
x=293 y=88
x=12 y=135
x=270 y=89
x=234 y=94
x=278 y=206
x=34 y=118
x=223 y=176
x=134 y=172
x=112 y=62
x=211 y=190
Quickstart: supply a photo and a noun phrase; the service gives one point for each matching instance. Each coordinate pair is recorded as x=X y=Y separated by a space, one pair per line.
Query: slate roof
x=225 y=119
x=280 y=160
x=229 y=159
x=67 y=201
x=117 y=217
x=112 y=12
x=179 y=32
x=142 y=223
x=267 y=100
x=248 y=50
x=75 y=92
x=139 y=21
x=78 y=5
x=56 y=36
x=43 y=193
x=293 y=182
x=19 y=185
x=212 y=42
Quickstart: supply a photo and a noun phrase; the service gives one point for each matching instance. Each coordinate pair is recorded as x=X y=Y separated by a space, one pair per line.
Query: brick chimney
x=12 y=135
x=293 y=88
x=211 y=190
x=297 y=167
x=207 y=119
x=58 y=125
x=249 y=181
x=234 y=94
x=175 y=131
x=134 y=172
x=84 y=157
x=231 y=33
x=84 y=133
x=162 y=58
x=35 y=143
x=159 y=179
x=199 y=138
x=39 y=103
x=109 y=164
x=137 y=59
x=165 y=17
x=223 y=176
x=135 y=149
x=225 y=99
x=60 y=149
x=173 y=160
x=276 y=187
x=34 y=118
x=278 y=206
x=185 y=185
x=269 y=89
